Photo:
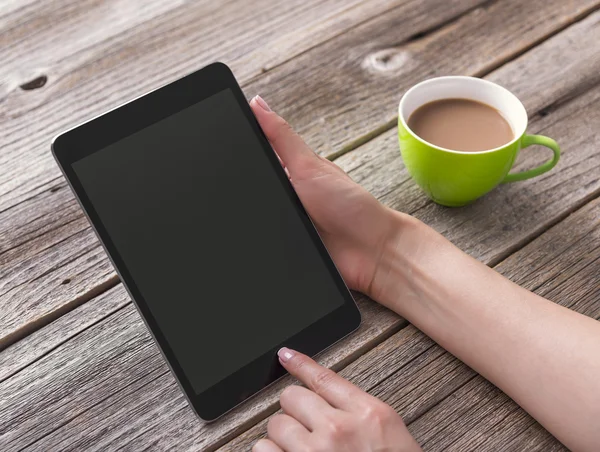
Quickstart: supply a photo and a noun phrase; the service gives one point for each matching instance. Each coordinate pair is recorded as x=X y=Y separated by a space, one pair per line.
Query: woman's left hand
x=331 y=415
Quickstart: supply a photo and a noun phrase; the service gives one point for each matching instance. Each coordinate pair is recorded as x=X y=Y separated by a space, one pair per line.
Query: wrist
x=427 y=280
x=399 y=249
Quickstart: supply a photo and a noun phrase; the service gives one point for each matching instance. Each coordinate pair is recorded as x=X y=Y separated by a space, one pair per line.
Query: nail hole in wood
x=36 y=83
x=66 y=281
x=544 y=112
x=54 y=189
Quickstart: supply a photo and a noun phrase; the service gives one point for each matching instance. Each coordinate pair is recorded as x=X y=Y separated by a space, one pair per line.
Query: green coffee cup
x=455 y=178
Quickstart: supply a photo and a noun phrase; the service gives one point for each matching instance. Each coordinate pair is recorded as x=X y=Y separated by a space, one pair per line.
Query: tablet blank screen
x=214 y=244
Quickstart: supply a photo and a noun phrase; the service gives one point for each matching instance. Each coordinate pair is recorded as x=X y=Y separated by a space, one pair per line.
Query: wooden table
x=78 y=369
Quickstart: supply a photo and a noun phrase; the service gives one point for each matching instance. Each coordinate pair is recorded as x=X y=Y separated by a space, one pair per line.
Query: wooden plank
x=75 y=400
x=43 y=341
x=44 y=238
x=181 y=431
x=37 y=36
x=444 y=403
x=130 y=365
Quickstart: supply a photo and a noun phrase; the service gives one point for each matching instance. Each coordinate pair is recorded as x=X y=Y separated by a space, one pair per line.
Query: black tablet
x=208 y=236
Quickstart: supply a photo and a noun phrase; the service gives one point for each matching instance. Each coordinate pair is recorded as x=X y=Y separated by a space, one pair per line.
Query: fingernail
x=260 y=446
x=260 y=101
x=285 y=354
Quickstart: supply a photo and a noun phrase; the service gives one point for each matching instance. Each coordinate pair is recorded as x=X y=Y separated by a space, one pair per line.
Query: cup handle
x=529 y=140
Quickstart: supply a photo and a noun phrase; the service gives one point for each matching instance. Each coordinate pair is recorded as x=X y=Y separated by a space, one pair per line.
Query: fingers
x=266 y=445
x=287 y=144
x=305 y=406
x=334 y=389
x=287 y=432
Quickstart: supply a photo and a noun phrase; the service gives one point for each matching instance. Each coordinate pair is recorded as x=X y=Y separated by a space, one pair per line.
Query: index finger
x=339 y=392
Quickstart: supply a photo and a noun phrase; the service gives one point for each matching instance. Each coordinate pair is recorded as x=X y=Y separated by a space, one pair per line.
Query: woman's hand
x=331 y=415
x=353 y=224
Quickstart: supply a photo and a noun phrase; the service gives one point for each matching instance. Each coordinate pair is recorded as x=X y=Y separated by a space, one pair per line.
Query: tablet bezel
x=117 y=124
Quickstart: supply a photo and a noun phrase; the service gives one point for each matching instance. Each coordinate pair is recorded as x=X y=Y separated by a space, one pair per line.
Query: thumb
x=290 y=147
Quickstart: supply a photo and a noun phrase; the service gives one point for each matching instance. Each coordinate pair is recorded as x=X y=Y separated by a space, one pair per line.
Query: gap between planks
x=268 y=68
x=501 y=257
x=51 y=316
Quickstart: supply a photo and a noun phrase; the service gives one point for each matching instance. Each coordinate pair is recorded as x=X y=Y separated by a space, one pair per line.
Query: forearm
x=544 y=356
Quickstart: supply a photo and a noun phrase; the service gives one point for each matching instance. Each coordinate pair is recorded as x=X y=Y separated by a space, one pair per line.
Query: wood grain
x=44 y=240
x=43 y=341
x=75 y=410
x=444 y=403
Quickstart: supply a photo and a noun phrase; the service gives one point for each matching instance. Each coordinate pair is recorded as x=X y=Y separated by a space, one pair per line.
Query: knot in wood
x=387 y=60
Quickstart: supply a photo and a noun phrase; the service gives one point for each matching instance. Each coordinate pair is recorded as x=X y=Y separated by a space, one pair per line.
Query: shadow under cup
x=455 y=178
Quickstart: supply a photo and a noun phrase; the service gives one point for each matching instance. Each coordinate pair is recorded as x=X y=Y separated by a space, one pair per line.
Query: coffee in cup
x=461 y=124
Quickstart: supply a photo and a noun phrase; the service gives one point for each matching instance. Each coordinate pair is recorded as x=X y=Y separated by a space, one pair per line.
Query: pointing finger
x=339 y=392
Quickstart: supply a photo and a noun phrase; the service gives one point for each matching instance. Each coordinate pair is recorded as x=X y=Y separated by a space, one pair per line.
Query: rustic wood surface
x=45 y=238
x=79 y=370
